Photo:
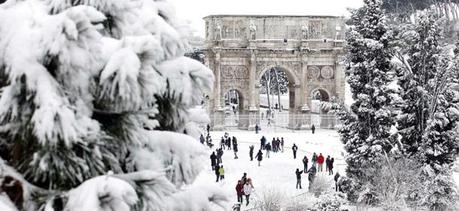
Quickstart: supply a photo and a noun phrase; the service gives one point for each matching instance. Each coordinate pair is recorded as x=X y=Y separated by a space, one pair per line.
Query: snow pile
x=102 y=193
x=92 y=87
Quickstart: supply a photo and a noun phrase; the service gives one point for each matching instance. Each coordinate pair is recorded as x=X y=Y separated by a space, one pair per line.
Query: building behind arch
x=240 y=48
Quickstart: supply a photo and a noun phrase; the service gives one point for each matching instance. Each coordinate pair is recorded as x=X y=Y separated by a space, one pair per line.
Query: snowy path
x=278 y=170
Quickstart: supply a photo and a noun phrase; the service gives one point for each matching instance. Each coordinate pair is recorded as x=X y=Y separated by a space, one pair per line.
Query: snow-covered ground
x=284 y=100
x=278 y=171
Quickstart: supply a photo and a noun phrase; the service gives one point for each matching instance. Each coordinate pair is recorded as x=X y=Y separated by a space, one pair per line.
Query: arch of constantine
x=241 y=48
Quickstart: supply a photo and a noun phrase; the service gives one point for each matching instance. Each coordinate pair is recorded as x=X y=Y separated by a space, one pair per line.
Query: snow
x=104 y=193
x=6 y=204
x=278 y=171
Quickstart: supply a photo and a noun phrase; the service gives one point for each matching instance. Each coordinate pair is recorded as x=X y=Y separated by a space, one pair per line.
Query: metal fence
x=278 y=120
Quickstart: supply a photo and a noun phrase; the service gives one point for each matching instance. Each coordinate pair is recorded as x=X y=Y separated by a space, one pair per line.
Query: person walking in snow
x=222 y=143
x=337 y=188
x=330 y=170
x=257 y=128
x=327 y=164
x=305 y=163
x=259 y=157
x=217 y=172
x=294 y=149
x=311 y=176
x=239 y=191
x=320 y=162
x=278 y=142
x=268 y=149
x=282 y=143
x=313 y=128
x=228 y=143
x=221 y=172
x=298 y=178
x=251 y=152
x=235 y=149
x=244 y=178
x=213 y=160
x=208 y=129
x=202 y=139
x=262 y=142
x=248 y=188
x=314 y=159
x=219 y=156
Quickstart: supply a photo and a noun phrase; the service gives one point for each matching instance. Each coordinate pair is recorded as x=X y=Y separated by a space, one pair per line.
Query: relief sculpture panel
x=234 y=72
x=327 y=72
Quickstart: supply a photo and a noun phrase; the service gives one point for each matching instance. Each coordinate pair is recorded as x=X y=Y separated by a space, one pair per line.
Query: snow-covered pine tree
x=427 y=124
x=366 y=134
x=86 y=86
x=420 y=57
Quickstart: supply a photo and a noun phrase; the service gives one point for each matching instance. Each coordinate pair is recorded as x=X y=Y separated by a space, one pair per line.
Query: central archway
x=277 y=91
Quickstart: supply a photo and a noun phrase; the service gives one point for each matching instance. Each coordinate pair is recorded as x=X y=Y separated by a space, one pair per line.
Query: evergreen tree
x=86 y=88
x=427 y=124
x=416 y=78
x=366 y=134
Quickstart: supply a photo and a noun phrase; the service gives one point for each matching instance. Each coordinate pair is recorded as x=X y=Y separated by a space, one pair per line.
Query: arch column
x=252 y=109
x=218 y=120
x=295 y=117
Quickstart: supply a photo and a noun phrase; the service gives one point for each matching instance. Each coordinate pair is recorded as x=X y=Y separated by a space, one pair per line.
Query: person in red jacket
x=239 y=191
x=320 y=161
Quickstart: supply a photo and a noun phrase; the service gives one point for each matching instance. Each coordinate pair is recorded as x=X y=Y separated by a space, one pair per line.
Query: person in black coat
x=257 y=128
x=305 y=163
x=327 y=164
x=235 y=149
x=213 y=160
x=330 y=167
x=251 y=152
x=202 y=139
x=313 y=129
x=262 y=142
x=337 y=187
x=298 y=178
x=259 y=156
x=294 y=149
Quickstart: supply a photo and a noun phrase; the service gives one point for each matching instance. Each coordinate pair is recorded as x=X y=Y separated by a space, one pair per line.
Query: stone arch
x=291 y=76
x=294 y=93
x=242 y=99
x=324 y=94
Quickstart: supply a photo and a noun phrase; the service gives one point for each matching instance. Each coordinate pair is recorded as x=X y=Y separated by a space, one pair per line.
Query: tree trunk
x=278 y=90
x=268 y=82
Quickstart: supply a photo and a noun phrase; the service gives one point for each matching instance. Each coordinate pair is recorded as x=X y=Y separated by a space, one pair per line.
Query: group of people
x=317 y=162
x=276 y=144
x=207 y=140
x=216 y=163
x=227 y=143
x=244 y=187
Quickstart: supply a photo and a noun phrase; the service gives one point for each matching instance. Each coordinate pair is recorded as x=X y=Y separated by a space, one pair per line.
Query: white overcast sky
x=195 y=10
